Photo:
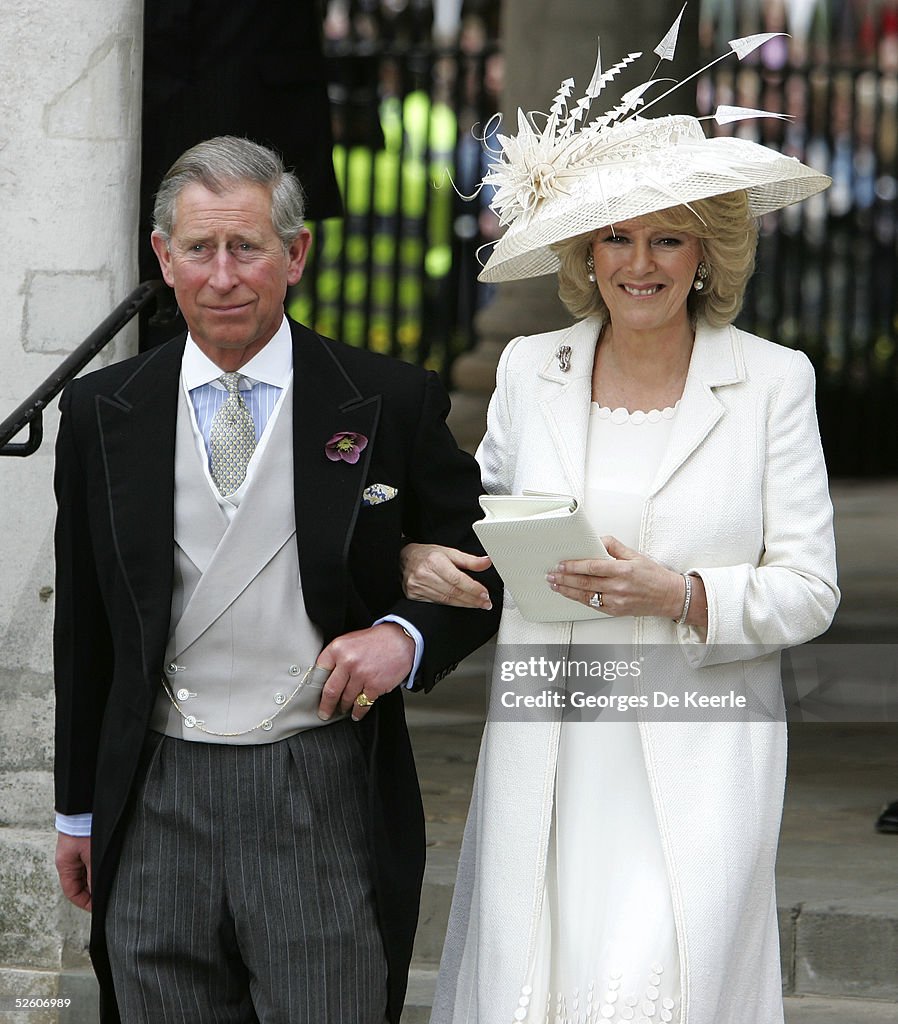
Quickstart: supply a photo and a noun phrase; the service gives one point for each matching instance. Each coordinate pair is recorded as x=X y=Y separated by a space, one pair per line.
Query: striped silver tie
x=232 y=439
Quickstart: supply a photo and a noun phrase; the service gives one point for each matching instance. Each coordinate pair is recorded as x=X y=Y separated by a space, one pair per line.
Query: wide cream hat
x=560 y=180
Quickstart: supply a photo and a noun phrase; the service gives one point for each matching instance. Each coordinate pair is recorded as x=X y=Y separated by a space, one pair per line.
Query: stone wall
x=69 y=147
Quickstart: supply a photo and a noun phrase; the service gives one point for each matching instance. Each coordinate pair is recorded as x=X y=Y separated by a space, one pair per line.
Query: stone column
x=544 y=42
x=69 y=157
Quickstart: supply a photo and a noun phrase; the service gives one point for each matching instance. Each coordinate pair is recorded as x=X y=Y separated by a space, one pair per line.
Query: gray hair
x=227 y=162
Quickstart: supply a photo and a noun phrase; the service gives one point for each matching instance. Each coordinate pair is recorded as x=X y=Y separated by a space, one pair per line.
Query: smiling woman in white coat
x=623 y=870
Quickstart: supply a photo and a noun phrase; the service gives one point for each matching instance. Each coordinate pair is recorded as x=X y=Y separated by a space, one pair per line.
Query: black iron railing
x=30 y=413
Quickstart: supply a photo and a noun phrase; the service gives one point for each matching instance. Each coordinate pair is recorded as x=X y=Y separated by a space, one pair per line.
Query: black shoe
x=888 y=821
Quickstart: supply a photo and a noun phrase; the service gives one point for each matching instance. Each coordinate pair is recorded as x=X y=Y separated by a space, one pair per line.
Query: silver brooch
x=564 y=358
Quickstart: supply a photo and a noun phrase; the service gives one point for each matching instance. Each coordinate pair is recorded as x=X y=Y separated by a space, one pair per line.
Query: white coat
x=741 y=498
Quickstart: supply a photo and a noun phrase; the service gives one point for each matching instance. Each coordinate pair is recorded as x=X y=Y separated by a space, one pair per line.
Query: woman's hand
x=433 y=573
x=630 y=583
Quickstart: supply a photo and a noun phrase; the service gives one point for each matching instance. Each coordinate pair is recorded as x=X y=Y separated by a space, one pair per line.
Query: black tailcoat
x=115 y=557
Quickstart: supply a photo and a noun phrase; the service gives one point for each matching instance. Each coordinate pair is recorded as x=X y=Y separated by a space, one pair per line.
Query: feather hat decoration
x=580 y=172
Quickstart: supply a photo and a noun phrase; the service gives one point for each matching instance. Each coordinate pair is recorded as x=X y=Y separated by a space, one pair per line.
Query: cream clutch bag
x=526 y=536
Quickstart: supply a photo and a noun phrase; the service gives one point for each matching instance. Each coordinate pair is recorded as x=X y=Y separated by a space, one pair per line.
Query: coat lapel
x=716 y=361
x=137 y=436
x=328 y=495
x=565 y=405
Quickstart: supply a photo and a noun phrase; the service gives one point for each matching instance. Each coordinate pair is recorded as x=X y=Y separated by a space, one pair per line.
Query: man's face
x=229 y=269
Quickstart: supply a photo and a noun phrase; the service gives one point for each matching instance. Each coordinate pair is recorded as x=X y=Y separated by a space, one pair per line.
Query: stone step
x=840 y=948
x=799 y=1009
x=847 y=948
x=422 y=980
x=818 y=1010
x=66 y=996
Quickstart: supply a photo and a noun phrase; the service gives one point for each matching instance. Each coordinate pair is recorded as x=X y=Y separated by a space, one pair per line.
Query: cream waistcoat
x=240 y=643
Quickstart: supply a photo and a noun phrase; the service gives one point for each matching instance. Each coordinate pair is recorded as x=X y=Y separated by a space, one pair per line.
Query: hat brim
x=610 y=194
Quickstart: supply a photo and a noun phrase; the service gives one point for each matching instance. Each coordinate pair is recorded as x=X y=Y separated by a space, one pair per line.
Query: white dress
x=607 y=951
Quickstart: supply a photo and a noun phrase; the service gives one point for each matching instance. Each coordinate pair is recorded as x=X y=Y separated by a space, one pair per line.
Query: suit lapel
x=137 y=427
x=328 y=494
x=137 y=435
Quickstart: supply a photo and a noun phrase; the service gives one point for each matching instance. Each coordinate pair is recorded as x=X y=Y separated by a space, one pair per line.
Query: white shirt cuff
x=415 y=634
x=74 y=824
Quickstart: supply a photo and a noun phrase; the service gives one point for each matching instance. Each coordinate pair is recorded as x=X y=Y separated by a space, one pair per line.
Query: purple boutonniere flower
x=345 y=447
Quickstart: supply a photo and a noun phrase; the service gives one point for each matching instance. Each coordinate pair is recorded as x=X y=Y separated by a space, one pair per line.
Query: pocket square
x=377 y=494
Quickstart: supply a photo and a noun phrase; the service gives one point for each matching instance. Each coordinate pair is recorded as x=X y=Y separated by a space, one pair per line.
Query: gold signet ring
x=364 y=701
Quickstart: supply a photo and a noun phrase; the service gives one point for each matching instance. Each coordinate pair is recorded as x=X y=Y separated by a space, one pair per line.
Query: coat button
x=266 y=725
x=279 y=698
x=182 y=694
x=294 y=670
x=190 y=721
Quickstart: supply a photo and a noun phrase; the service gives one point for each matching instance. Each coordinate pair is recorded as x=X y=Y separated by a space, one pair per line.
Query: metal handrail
x=29 y=413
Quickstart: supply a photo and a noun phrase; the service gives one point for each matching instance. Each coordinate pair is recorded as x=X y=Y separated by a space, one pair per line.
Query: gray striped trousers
x=243 y=894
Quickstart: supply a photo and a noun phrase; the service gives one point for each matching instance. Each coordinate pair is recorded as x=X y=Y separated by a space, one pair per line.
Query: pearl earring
x=701 y=276
x=590 y=268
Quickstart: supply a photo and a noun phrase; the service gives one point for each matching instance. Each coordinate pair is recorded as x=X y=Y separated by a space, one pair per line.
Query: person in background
x=887 y=822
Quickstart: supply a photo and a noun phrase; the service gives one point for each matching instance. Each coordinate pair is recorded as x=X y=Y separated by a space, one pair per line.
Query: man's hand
x=372 y=661
x=73 y=868
x=433 y=573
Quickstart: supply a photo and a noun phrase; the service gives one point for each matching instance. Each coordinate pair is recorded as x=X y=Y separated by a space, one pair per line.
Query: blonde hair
x=728 y=235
